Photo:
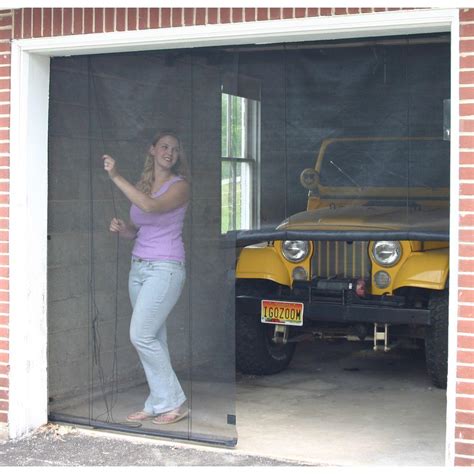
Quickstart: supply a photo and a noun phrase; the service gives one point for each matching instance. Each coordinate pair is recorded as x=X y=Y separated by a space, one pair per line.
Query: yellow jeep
x=367 y=260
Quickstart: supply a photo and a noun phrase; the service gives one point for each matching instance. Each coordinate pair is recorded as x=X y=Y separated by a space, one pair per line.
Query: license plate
x=282 y=312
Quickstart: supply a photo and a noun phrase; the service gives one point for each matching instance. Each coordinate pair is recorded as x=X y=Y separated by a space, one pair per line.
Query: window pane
x=236 y=195
x=237 y=128
x=244 y=181
x=227 y=197
x=225 y=125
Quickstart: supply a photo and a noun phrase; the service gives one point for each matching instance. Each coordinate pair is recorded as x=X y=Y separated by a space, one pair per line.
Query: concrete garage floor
x=340 y=404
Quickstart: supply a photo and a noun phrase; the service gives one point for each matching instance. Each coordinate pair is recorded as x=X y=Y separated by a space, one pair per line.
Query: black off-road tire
x=436 y=339
x=256 y=353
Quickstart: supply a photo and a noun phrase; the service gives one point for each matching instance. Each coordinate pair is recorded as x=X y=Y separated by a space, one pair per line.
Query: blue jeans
x=154 y=288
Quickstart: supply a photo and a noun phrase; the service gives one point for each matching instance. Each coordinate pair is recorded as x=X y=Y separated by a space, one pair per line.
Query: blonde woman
x=157 y=274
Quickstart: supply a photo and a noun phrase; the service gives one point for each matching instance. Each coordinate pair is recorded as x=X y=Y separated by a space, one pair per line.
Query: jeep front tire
x=256 y=353
x=436 y=339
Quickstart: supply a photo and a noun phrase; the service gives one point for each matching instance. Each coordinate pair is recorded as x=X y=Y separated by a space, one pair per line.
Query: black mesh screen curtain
x=115 y=104
x=367 y=115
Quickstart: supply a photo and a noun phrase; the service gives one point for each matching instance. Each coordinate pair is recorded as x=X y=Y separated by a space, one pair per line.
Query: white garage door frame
x=29 y=169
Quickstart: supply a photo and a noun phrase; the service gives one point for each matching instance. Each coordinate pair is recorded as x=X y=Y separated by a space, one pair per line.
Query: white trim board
x=29 y=158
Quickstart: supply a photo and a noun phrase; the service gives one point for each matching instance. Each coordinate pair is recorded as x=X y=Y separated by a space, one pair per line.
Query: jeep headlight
x=295 y=250
x=387 y=252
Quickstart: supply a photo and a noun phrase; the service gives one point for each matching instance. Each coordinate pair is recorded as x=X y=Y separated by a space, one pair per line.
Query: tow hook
x=280 y=336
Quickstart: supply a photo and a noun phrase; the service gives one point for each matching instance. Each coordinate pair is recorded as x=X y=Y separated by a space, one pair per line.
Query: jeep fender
x=262 y=263
x=424 y=270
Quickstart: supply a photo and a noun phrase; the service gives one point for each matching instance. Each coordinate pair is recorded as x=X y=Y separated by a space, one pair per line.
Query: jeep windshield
x=390 y=166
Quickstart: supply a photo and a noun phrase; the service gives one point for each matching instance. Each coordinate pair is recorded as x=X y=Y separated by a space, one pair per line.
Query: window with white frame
x=240 y=162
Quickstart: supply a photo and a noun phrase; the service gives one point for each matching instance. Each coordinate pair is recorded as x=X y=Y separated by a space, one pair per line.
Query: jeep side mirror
x=309 y=178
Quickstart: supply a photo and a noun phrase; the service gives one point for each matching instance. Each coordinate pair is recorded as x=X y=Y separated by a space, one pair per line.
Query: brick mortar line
x=463 y=440
x=462 y=456
x=62 y=21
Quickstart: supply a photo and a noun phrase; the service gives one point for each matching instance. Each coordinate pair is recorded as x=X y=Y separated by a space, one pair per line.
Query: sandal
x=171 y=416
x=140 y=416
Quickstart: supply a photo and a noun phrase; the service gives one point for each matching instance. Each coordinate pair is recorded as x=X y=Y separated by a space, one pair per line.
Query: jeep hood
x=368 y=218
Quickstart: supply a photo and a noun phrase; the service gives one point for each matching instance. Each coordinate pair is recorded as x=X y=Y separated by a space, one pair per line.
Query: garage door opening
x=365 y=119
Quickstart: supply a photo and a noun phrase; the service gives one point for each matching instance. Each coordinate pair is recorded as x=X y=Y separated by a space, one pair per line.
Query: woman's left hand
x=110 y=166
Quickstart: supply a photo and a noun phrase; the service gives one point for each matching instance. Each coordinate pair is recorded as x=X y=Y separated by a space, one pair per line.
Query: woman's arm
x=176 y=196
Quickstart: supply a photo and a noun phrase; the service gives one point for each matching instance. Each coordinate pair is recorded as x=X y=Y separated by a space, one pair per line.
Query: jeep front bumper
x=340 y=307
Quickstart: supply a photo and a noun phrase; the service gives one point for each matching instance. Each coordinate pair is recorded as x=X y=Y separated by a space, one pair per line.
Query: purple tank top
x=159 y=234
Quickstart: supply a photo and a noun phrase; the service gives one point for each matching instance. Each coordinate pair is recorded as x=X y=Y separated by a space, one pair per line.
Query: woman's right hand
x=110 y=166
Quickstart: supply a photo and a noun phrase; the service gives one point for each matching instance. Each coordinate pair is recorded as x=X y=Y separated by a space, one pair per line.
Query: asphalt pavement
x=57 y=445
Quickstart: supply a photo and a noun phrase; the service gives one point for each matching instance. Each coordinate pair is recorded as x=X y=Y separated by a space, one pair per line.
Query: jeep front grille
x=340 y=259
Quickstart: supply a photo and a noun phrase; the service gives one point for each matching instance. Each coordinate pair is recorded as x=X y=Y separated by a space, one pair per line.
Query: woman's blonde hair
x=147 y=178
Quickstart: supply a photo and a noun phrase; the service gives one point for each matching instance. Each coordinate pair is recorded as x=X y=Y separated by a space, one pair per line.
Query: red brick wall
x=43 y=22
x=40 y=22
x=464 y=429
x=5 y=36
